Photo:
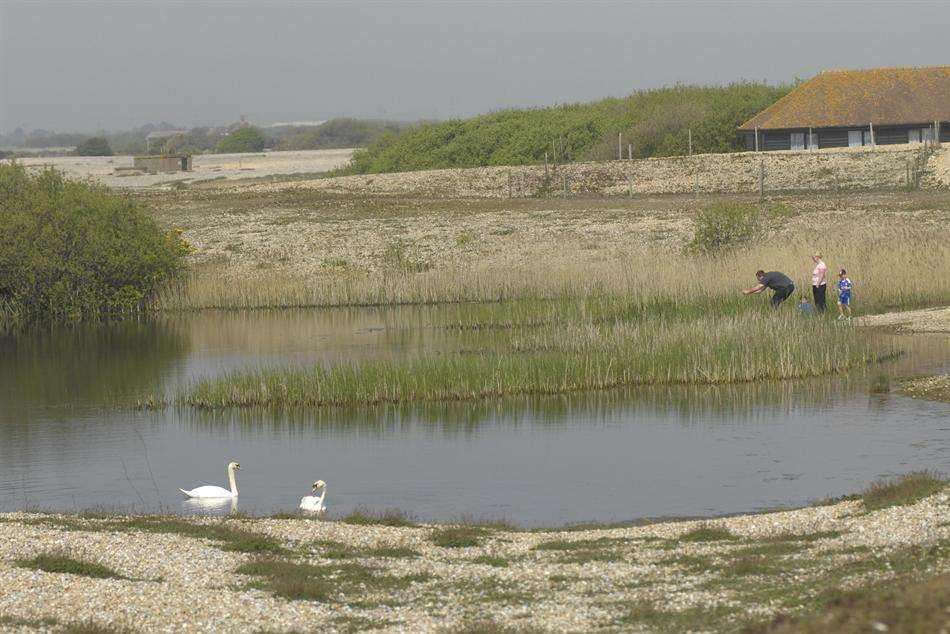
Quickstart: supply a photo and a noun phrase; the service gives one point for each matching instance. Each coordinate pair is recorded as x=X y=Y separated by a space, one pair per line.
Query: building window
x=798 y=141
x=913 y=136
x=854 y=138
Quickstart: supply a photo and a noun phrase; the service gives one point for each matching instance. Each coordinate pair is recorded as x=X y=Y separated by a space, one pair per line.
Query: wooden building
x=163 y=164
x=850 y=108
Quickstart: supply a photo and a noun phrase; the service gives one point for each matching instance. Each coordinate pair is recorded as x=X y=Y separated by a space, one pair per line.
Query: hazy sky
x=85 y=65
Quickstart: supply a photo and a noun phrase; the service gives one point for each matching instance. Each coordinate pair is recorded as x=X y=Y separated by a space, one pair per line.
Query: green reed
x=747 y=346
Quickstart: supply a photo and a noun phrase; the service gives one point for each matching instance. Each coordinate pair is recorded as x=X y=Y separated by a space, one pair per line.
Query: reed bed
x=587 y=356
x=893 y=266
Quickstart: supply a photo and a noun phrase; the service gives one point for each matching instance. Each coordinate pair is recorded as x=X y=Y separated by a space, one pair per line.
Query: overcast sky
x=81 y=66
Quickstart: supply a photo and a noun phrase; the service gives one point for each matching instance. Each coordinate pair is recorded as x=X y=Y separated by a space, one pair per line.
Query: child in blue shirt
x=844 y=293
x=804 y=306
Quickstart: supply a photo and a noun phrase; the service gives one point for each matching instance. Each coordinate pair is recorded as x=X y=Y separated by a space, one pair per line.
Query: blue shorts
x=844 y=299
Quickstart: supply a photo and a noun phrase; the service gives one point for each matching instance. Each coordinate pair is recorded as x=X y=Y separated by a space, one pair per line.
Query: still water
x=69 y=439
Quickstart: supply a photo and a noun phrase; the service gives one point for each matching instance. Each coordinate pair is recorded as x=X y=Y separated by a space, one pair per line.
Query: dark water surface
x=70 y=441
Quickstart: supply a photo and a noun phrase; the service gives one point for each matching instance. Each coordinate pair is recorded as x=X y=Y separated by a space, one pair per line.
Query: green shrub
x=246 y=139
x=71 y=250
x=96 y=146
x=722 y=225
x=656 y=122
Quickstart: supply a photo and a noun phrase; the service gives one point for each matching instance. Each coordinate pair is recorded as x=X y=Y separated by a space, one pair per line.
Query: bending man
x=780 y=283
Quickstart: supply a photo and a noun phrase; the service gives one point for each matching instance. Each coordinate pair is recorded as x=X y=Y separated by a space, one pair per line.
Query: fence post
x=630 y=185
x=871 y=128
x=566 y=188
x=756 y=138
x=509 y=183
x=545 y=165
x=620 y=146
x=690 y=132
x=761 y=179
x=629 y=151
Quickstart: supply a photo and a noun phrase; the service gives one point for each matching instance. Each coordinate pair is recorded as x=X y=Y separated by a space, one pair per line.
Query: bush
x=96 y=146
x=71 y=250
x=657 y=123
x=722 y=225
x=246 y=139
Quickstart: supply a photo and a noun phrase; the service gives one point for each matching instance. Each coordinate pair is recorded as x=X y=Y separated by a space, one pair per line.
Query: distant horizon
x=171 y=124
x=107 y=66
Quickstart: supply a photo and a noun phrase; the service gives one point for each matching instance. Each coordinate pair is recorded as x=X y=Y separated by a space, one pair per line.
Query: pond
x=70 y=440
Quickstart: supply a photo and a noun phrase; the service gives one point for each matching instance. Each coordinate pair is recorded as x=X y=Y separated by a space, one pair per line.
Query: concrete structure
x=851 y=108
x=162 y=164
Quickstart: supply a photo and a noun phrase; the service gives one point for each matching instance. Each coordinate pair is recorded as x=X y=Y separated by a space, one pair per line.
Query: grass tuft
x=489 y=560
x=64 y=564
x=389 y=517
x=915 y=606
x=707 y=533
x=324 y=583
x=902 y=490
x=458 y=536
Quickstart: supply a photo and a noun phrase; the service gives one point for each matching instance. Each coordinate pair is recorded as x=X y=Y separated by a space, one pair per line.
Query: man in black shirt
x=778 y=282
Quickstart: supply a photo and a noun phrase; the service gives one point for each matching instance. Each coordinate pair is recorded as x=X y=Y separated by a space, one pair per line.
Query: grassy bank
x=656 y=122
x=582 y=356
x=651 y=316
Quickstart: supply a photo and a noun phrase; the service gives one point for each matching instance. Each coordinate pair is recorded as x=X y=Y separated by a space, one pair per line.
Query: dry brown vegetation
x=295 y=248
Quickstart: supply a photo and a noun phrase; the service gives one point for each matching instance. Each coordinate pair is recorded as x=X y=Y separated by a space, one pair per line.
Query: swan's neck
x=232 y=482
x=322 y=495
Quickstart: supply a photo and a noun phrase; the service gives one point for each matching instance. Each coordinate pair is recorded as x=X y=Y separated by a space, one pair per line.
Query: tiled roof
x=857 y=97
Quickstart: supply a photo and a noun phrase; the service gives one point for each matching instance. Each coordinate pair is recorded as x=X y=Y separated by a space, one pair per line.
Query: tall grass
x=896 y=266
x=744 y=347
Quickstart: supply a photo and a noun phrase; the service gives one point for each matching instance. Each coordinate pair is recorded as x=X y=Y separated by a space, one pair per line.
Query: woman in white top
x=818 y=282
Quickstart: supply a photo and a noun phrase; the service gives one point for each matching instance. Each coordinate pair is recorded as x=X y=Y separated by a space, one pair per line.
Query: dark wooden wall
x=837 y=137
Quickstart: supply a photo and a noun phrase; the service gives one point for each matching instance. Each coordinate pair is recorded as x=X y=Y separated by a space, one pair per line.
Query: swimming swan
x=314 y=503
x=209 y=491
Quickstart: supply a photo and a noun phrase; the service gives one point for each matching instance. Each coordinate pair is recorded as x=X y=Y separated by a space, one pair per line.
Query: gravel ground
x=931 y=387
x=927 y=320
x=254 y=235
x=204 y=167
x=581 y=580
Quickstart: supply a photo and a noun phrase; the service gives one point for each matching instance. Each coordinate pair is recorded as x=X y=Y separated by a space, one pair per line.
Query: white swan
x=209 y=491
x=313 y=502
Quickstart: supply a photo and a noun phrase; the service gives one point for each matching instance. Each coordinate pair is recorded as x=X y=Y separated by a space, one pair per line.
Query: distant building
x=156 y=141
x=162 y=164
x=850 y=108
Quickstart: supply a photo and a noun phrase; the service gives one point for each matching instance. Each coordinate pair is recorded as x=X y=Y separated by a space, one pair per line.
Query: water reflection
x=209 y=506
x=65 y=444
x=64 y=368
x=686 y=405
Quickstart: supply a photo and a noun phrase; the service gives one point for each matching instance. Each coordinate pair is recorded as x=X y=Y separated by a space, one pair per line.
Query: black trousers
x=781 y=295
x=818 y=292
